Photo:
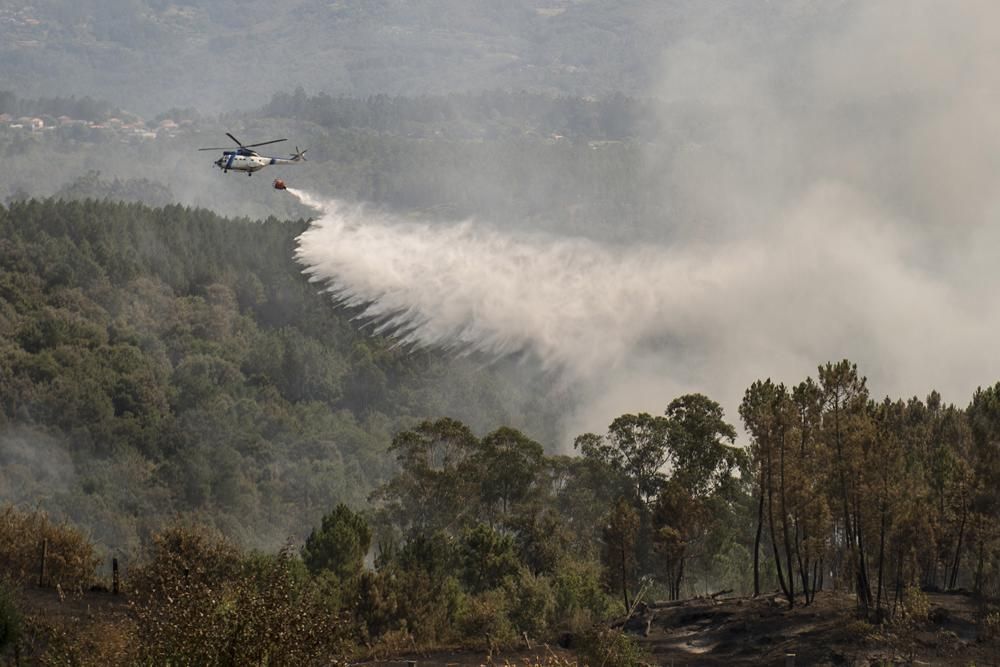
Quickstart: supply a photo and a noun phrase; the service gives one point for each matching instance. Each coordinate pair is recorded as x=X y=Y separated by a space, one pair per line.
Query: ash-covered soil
x=764 y=631
x=734 y=632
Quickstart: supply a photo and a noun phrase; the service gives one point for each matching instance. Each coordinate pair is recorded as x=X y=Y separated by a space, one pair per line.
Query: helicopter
x=246 y=159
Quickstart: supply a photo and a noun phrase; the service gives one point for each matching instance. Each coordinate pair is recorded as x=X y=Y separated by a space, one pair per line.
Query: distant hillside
x=147 y=55
x=143 y=55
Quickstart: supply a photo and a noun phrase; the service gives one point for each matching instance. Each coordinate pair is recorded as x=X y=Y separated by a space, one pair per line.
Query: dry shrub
x=858 y=629
x=550 y=660
x=89 y=643
x=393 y=642
x=486 y=616
x=989 y=634
x=916 y=605
x=912 y=617
x=990 y=627
x=70 y=558
x=196 y=601
x=195 y=553
x=610 y=648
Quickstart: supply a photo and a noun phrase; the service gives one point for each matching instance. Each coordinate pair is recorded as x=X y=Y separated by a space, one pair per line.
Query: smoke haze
x=836 y=199
x=856 y=148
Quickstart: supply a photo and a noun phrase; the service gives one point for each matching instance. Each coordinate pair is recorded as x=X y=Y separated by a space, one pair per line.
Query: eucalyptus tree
x=637 y=447
x=619 y=535
x=509 y=466
x=434 y=489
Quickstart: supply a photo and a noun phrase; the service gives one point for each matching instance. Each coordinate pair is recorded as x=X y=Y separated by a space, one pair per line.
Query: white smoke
x=578 y=306
x=837 y=198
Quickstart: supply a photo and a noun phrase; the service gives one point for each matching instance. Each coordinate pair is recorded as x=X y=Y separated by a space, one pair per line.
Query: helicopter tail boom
x=297 y=156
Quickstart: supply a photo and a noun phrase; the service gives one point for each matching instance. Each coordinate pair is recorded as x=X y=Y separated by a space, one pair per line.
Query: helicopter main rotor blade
x=264 y=143
x=241 y=144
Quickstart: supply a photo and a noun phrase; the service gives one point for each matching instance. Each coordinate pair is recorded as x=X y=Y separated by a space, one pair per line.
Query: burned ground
x=704 y=631
x=743 y=631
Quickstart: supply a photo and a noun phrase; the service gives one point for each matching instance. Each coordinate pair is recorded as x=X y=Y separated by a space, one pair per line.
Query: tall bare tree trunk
x=817 y=578
x=756 y=541
x=864 y=590
x=803 y=564
x=770 y=522
x=881 y=562
x=953 y=578
x=841 y=465
x=979 y=568
x=677 y=581
x=624 y=578
x=784 y=524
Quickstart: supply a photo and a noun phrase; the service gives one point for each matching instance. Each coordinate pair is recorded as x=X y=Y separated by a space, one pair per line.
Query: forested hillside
x=531 y=161
x=164 y=361
x=141 y=54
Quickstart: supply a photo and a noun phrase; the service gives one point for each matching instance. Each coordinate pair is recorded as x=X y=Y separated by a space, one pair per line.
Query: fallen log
x=713 y=597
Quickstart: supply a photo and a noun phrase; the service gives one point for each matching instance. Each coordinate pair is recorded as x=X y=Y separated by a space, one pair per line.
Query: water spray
x=636 y=325
x=573 y=303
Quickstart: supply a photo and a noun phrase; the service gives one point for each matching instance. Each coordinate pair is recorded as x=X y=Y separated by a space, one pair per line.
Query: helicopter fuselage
x=233 y=160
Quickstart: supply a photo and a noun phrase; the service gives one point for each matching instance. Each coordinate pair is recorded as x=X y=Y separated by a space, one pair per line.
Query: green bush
x=427 y=605
x=580 y=599
x=486 y=616
x=430 y=607
x=531 y=602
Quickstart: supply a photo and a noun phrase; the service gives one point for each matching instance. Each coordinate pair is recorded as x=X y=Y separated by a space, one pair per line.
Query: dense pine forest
x=167 y=361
